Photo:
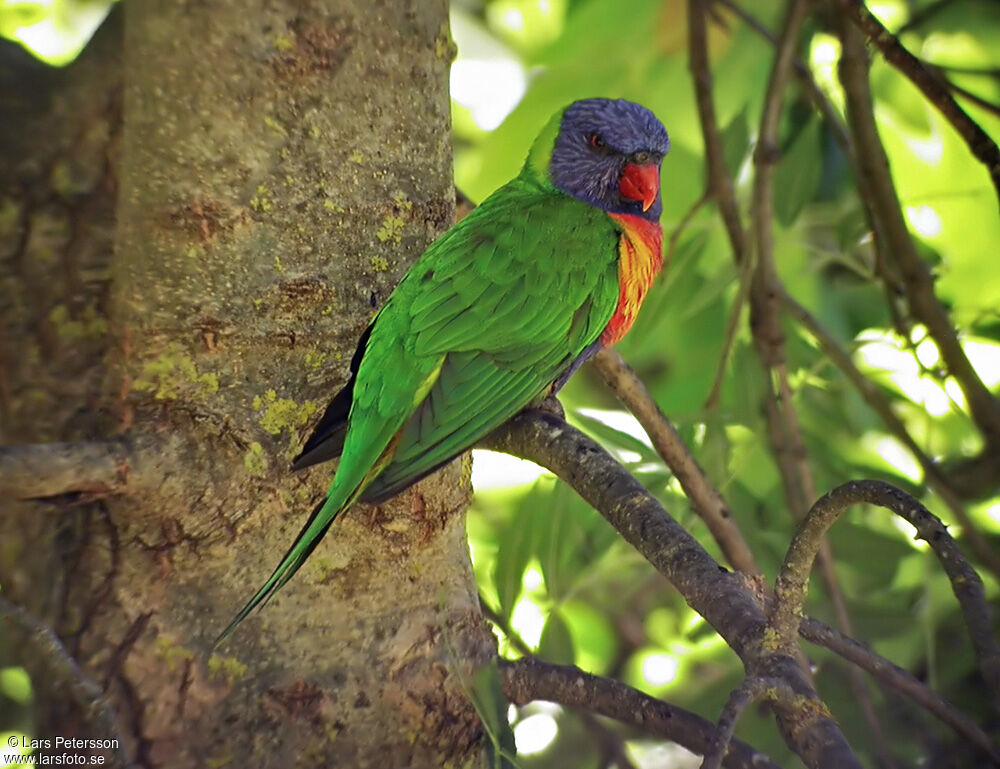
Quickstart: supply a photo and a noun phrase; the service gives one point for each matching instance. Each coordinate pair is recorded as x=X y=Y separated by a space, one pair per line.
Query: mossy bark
x=282 y=163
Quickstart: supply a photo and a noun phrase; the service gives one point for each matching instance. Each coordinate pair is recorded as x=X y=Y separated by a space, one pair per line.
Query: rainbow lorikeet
x=496 y=313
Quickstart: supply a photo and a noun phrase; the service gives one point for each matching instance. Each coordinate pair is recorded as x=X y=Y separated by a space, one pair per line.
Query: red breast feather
x=640 y=255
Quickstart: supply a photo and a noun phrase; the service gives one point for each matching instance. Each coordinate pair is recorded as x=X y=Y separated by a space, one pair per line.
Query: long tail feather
x=309 y=537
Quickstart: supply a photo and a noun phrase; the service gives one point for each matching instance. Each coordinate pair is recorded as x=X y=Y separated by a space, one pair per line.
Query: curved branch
x=37 y=470
x=704 y=496
x=936 y=479
x=792 y=583
x=720 y=596
x=707 y=501
x=530 y=679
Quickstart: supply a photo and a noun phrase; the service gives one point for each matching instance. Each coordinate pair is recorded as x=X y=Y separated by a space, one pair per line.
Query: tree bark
x=282 y=163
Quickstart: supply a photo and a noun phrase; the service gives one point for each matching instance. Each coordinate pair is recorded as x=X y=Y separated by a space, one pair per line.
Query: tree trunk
x=282 y=163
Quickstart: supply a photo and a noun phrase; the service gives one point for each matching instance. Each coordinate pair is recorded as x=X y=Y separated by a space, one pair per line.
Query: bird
x=496 y=314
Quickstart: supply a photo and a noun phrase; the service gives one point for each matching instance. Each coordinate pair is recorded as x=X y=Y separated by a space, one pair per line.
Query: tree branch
x=873 y=172
x=718 y=181
x=530 y=679
x=608 y=742
x=975 y=98
x=48 y=469
x=49 y=654
x=924 y=14
x=815 y=94
x=721 y=597
x=706 y=500
x=765 y=322
x=983 y=148
x=792 y=583
x=704 y=495
x=832 y=117
x=751 y=690
x=891 y=675
x=729 y=337
x=769 y=338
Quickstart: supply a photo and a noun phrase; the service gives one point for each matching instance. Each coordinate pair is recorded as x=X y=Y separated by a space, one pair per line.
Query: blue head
x=608 y=153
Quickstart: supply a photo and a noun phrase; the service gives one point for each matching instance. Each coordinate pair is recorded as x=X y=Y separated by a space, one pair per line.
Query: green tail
x=322 y=516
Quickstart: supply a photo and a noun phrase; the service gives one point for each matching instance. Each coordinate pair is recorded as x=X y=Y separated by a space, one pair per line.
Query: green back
x=488 y=317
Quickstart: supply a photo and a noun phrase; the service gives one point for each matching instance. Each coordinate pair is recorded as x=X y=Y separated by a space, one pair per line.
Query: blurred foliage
x=53 y=30
x=551 y=569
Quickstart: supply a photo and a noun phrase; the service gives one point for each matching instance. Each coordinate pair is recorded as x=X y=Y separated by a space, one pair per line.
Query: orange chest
x=640 y=255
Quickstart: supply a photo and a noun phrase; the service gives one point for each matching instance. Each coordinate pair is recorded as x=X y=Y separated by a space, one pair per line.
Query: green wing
x=519 y=294
x=489 y=316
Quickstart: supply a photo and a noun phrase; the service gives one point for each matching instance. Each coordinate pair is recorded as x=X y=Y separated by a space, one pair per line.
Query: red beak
x=641 y=183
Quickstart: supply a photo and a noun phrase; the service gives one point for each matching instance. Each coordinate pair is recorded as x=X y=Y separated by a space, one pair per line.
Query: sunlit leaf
x=516 y=548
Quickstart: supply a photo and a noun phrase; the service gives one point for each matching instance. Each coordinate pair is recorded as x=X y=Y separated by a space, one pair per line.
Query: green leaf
x=714 y=454
x=736 y=141
x=575 y=537
x=798 y=174
x=516 y=547
x=556 y=644
x=491 y=705
x=613 y=438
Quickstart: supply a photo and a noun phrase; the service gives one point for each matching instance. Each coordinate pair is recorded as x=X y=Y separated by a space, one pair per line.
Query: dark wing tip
x=321 y=447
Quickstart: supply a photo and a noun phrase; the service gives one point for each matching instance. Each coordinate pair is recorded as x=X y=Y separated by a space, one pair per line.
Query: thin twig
x=792 y=583
x=512 y=635
x=976 y=99
x=718 y=181
x=720 y=596
x=764 y=311
x=831 y=116
x=983 y=148
x=815 y=94
x=891 y=675
x=705 y=499
x=682 y=225
x=528 y=679
x=991 y=72
x=49 y=654
x=732 y=325
x=751 y=690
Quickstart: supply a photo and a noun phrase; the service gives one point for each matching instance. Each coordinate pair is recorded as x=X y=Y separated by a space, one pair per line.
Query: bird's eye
x=595 y=141
x=642 y=158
